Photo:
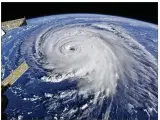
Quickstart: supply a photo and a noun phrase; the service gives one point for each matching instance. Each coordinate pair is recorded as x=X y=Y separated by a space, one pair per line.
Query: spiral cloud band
x=102 y=58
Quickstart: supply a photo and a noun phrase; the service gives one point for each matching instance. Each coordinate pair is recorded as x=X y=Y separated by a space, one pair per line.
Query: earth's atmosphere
x=82 y=67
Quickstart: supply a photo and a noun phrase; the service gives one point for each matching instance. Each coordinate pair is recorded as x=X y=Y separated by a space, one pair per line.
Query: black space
x=147 y=11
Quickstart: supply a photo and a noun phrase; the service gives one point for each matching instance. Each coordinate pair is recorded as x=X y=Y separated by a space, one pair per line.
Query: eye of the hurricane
x=70 y=48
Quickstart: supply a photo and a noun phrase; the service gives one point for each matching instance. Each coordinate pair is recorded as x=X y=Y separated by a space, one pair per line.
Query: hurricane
x=107 y=73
